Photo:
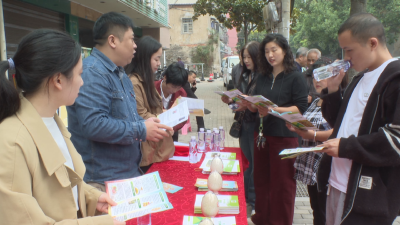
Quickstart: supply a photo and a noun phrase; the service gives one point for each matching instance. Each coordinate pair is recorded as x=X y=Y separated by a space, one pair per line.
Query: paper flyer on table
x=222 y=155
x=228 y=204
x=175 y=115
x=195 y=106
x=230 y=166
x=137 y=196
x=195 y=220
x=227 y=185
x=170 y=188
x=296 y=119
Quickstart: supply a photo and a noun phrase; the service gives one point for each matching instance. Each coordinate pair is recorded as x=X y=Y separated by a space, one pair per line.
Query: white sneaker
x=249 y=222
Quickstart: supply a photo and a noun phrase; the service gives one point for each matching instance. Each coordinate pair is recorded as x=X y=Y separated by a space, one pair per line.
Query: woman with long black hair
x=247 y=84
x=273 y=177
x=142 y=71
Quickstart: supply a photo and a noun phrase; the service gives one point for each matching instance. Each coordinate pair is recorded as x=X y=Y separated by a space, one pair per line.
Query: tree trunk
x=358 y=6
x=246 y=33
x=284 y=26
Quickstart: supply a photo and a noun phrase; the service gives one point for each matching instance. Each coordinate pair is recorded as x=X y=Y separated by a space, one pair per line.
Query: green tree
x=244 y=15
x=387 y=11
x=253 y=36
x=204 y=53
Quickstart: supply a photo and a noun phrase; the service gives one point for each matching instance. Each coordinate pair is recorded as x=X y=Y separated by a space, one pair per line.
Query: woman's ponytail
x=9 y=96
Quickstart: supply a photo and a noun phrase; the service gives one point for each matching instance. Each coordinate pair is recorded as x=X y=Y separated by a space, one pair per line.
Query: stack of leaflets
x=228 y=204
x=195 y=220
x=222 y=155
x=137 y=197
x=231 y=167
x=296 y=119
x=294 y=152
x=226 y=185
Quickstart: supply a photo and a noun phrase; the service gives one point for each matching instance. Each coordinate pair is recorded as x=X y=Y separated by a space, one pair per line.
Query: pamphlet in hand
x=233 y=94
x=175 y=115
x=226 y=185
x=294 y=152
x=296 y=119
x=195 y=220
x=195 y=106
x=137 y=196
x=228 y=204
x=260 y=101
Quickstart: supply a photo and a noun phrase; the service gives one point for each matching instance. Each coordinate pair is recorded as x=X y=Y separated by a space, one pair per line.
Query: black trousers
x=318 y=204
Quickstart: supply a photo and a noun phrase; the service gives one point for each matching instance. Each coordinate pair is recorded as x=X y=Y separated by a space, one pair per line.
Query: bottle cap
x=221 y=127
x=193 y=138
x=208 y=131
x=217 y=131
x=202 y=129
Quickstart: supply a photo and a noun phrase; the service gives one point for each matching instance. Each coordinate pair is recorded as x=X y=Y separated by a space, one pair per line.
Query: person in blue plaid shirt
x=307 y=164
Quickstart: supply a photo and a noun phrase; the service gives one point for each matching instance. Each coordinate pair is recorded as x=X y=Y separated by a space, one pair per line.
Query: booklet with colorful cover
x=195 y=220
x=296 y=119
x=260 y=101
x=231 y=167
x=222 y=155
x=294 y=152
x=137 y=196
x=226 y=185
x=233 y=94
x=228 y=204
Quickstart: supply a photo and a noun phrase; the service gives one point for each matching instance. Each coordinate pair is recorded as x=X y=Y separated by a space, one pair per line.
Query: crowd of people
x=53 y=175
x=353 y=180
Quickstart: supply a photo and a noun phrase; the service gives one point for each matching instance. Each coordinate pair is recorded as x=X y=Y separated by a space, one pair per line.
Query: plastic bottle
x=222 y=140
x=200 y=140
x=217 y=140
x=208 y=141
x=331 y=70
x=192 y=150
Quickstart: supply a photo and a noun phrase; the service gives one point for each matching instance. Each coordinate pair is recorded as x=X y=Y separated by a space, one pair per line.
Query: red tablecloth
x=184 y=174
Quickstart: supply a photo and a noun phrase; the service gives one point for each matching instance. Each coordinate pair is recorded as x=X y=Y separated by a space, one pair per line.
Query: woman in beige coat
x=142 y=71
x=41 y=172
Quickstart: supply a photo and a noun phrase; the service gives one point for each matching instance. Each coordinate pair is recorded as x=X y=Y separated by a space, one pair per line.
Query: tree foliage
x=205 y=53
x=243 y=14
x=319 y=21
x=253 y=36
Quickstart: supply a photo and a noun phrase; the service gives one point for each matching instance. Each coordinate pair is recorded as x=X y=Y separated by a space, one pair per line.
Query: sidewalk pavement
x=221 y=115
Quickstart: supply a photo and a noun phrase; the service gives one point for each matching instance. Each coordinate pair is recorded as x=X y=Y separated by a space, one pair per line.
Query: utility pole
x=284 y=26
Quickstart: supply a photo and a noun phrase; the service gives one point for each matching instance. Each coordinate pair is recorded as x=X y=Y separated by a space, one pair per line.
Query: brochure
x=228 y=204
x=170 y=188
x=260 y=101
x=195 y=106
x=222 y=155
x=226 y=185
x=137 y=196
x=233 y=94
x=175 y=115
x=195 y=220
x=294 y=152
x=296 y=119
x=231 y=167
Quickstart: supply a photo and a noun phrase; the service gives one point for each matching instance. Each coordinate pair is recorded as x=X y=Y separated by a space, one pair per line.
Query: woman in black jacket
x=281 y=83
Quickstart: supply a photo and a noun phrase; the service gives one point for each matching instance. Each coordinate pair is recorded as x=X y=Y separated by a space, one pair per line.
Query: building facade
x=186 y=34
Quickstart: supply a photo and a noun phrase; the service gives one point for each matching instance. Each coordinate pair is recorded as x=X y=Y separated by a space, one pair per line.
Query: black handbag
x=237 y=125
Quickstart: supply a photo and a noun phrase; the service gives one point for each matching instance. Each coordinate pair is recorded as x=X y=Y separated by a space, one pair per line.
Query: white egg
x=209 y=204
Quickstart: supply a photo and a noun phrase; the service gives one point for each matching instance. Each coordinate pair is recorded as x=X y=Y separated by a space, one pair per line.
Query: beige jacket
x=151 y=151
x=35 y=185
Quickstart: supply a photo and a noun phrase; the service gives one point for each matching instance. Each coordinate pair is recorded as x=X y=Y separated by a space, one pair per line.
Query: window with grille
x=187 y=25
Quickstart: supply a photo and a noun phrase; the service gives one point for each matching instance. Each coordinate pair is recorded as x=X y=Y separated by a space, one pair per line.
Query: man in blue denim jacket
x=105 y=126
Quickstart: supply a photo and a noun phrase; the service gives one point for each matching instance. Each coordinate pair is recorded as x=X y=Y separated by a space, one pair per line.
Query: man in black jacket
x=362 y=162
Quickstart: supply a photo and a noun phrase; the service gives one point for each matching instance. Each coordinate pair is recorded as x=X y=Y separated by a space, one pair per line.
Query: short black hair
x=364 y=26
x=192 y=72
x=176 y=75
x=111 y=23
